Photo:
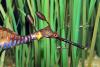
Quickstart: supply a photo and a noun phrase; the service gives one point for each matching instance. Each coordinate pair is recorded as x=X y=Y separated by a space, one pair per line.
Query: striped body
x=10 y=39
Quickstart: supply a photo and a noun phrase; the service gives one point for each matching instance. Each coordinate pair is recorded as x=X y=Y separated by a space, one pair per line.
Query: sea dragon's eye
x=55 y=35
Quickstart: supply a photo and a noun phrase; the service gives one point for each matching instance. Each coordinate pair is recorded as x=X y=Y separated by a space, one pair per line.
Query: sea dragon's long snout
x=48 y=33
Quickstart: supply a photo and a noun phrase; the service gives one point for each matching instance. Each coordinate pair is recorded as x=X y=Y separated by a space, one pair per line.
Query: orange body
x=6 y=35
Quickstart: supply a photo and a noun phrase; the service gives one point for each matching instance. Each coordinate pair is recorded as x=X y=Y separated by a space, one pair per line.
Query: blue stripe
x=18 y=41
x=0 y=45
x=25 y=39
x=21 y=39
x=14 y=43
x=29 y=38
x=5 y=45
x=9 y=44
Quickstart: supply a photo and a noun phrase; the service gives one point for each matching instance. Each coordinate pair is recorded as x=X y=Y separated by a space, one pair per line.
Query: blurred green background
x=75 y=20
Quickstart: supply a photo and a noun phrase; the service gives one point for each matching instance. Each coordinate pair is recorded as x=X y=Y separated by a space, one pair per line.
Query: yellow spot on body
x=38 y=35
